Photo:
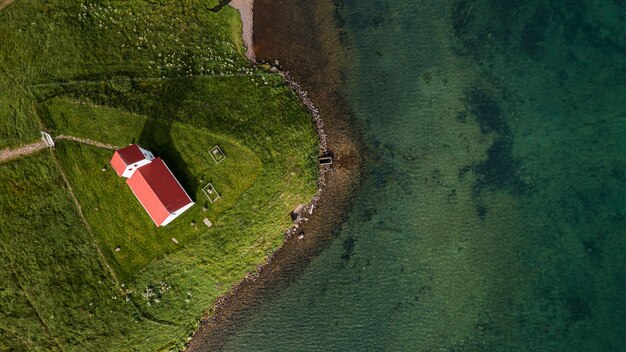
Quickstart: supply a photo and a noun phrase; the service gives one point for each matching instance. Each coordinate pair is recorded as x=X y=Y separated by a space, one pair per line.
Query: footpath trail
x=87 y=141
x=11 y=154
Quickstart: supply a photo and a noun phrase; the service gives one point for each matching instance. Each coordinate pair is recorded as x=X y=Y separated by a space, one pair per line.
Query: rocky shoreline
x=314 y=73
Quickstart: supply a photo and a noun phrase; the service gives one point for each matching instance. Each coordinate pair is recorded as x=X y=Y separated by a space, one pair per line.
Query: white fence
x=48 y=139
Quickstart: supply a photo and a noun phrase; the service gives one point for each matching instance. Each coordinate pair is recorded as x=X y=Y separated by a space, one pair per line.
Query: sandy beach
x=313 y=68
x=245 y=8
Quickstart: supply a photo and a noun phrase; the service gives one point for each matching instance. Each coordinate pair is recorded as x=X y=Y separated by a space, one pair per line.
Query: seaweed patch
x=500 y=168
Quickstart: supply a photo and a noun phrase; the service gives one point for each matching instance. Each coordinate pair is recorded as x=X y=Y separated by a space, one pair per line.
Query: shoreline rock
x=312 y=69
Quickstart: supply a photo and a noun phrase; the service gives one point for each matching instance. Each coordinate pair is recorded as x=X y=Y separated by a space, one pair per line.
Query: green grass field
x=171 y=77
x=62 y=294
x=18 y=123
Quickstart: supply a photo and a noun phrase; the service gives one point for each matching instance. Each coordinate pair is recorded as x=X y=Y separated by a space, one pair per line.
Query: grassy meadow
x=171 y=77
x=18 y=123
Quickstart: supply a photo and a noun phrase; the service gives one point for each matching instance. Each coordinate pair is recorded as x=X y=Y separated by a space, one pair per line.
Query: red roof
x=126 y=156
x=158 y=190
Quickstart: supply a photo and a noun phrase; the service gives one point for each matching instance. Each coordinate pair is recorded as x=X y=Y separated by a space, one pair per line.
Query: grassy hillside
x=18 y=123
x=62 y=294
x=171 y=77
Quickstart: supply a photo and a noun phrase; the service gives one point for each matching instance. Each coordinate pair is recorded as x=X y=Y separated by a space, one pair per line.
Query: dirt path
x=10 y=154
x=87 y=141
x=5 y=3
x=246 y=8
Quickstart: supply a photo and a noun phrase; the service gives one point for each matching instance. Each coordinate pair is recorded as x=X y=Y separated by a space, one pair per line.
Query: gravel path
x=5 y=3
x=10 y=154
x=246 y=12
x=87 y=141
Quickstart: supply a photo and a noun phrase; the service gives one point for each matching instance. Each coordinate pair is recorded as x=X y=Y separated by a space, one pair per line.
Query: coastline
x=246 y=11
x=313 y=69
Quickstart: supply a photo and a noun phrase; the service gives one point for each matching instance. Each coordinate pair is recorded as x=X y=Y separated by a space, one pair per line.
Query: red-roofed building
x=153 y=184
x=127 y=160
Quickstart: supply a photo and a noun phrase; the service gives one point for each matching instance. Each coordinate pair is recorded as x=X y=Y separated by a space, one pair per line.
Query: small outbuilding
x=152 y=182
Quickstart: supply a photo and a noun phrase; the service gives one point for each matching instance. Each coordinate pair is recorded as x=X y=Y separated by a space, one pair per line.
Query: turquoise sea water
x=493 y=212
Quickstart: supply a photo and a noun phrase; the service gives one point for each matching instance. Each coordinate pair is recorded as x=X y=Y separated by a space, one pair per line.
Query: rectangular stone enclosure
x=217 y=154
x=211 y=193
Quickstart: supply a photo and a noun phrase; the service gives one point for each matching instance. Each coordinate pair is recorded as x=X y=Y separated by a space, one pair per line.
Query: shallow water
x=492 y=216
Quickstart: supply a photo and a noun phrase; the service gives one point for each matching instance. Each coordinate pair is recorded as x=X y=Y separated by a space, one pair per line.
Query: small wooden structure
x=325 y=160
